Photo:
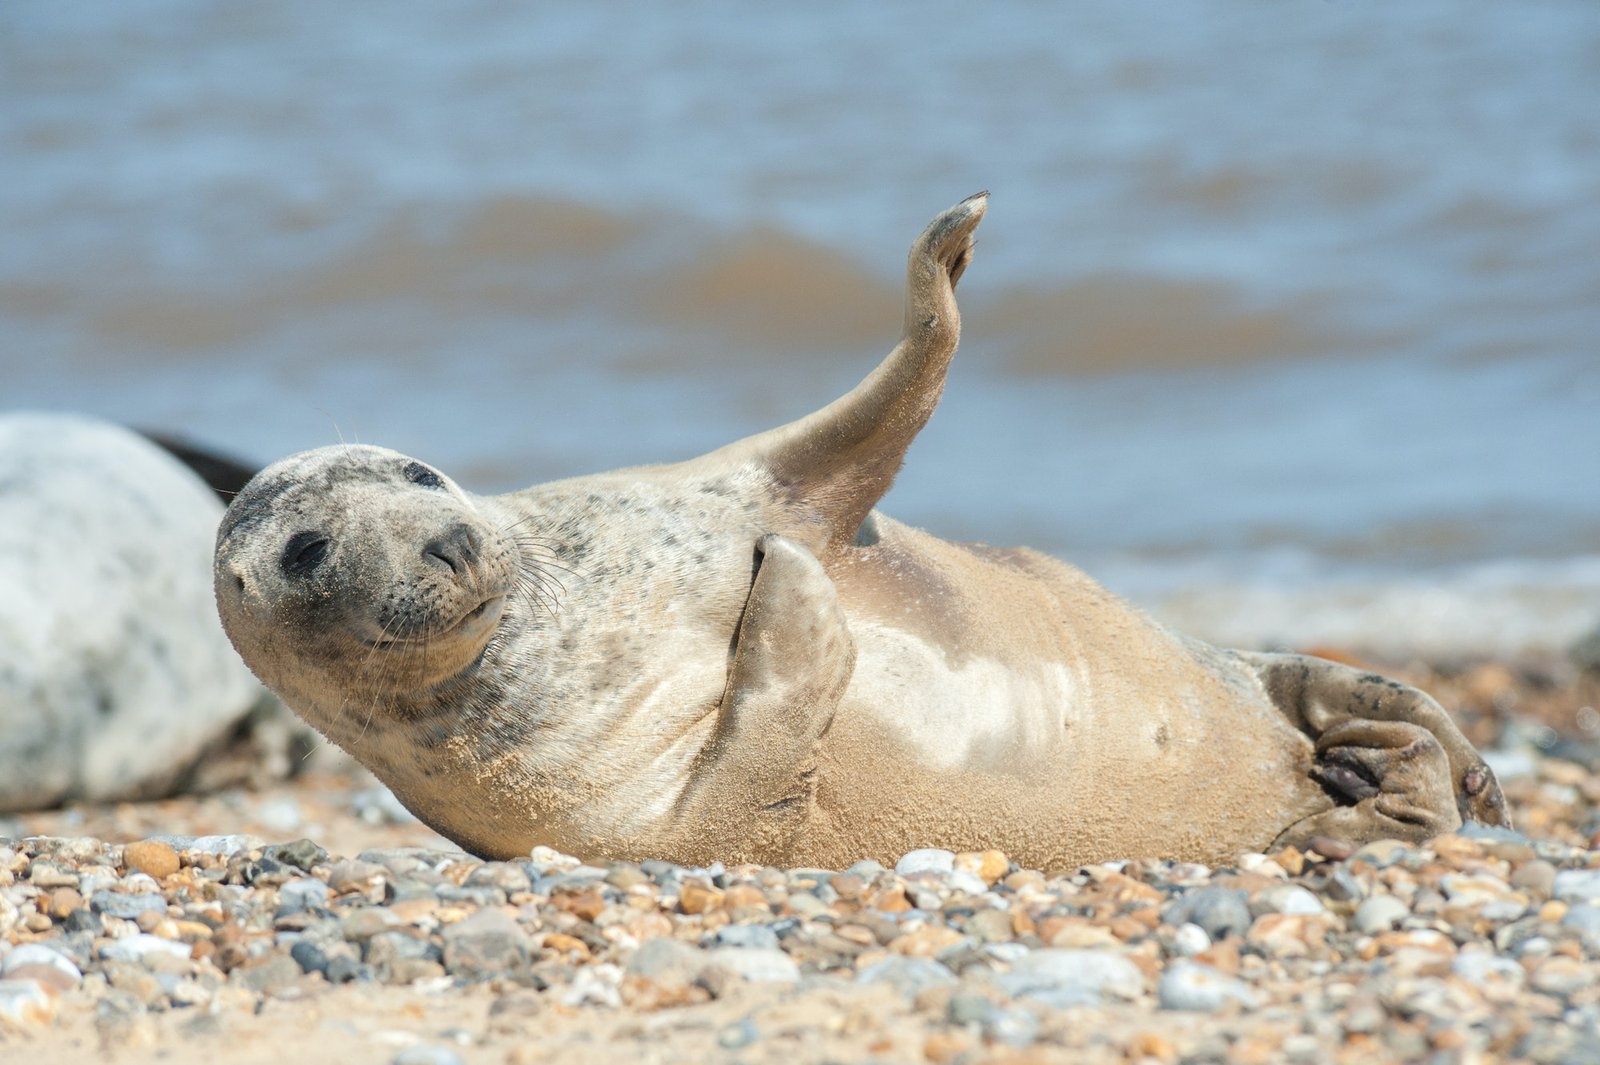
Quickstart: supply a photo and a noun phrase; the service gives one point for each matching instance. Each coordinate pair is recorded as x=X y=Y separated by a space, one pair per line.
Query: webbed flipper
x=792 y=660
x=1387 y=753
x=835 y=464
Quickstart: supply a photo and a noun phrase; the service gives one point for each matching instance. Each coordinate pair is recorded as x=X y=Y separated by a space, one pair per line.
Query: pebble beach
x=314 y=920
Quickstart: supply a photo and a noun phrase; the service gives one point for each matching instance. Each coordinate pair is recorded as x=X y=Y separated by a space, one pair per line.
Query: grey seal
x=737 y=657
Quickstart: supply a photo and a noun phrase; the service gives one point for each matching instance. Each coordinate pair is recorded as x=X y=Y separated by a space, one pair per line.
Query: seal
x=738 y=658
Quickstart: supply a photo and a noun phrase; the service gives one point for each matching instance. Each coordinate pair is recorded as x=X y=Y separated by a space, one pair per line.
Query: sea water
x=1283 y=321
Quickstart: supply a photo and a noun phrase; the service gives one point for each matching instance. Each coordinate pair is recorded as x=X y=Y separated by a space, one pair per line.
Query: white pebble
x=1189 y=940
x=926 y=860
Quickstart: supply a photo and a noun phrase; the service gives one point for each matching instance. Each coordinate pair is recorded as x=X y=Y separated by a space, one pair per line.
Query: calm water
x=1283 y=321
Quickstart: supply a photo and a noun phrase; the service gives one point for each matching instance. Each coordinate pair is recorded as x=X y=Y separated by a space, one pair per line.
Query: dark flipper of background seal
x=224 y=474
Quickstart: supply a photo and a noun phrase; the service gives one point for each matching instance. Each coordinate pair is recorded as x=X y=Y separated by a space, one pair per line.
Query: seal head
x=359 y=570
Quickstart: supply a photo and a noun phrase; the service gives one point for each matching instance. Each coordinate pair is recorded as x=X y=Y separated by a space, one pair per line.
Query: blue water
x=1276 y=306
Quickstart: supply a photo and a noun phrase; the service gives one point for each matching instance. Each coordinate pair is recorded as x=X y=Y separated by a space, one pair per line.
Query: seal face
x=739 y=658
x=361 y=569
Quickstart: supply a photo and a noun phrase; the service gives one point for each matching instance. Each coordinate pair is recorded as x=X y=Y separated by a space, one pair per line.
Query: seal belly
x=1018 y=704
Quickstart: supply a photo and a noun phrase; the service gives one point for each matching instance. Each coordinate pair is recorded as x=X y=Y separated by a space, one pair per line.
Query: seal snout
x=456 y=550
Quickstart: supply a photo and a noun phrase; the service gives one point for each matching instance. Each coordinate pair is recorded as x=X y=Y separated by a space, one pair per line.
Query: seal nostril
x=456 y=549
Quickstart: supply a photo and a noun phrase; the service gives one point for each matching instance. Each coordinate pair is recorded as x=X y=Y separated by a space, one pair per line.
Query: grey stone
x=506 y=877
x=1480 y=968
x=364 y=922
x=926 y=860
x=267 y=975
x=1380 y=913
x=1221 y=912
x=1188 y=985
x=867 y=869
x=667 y=962
x=21 y=1001
x=344 y=968
x=477 y=896
x=1577 y=885
x=1512 y=763
x=1494 y=833
x=739 y=1034
x=749 y=936
x=1584 y=918
x=1062 y=978
x=909 y=976
x=301 y=853
x=1288 y=899
x=486 y=944
x=139 y=948
x=757 y=965
x=427 y=1054
x=222 y=846
x=353 y=874
x=115 y=674
x=1190 y=939
x=302 y=893
x=311 y=956
x=402 y=944
x=966 y=1008
x=971 y=883
x=127 y=907
x=405 y=860
x=1012 y=1026
x=39 y=954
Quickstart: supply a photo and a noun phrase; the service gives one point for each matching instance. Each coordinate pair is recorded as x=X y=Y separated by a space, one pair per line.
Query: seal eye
x=304 y=552
x=417 y=473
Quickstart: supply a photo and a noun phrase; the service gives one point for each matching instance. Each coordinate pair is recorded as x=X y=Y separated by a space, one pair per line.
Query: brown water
x=1271 y=297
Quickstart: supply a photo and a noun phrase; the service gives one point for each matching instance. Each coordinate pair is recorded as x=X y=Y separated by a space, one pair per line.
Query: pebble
x=485 y=944
x=24 y=1003
x=1220 y=912
x=1189 y=940
x=1577 y=885
x=302 y=893
x=1062 y=978
x=1464 y=948
x=748 y=936
x=1190 y=986
x=142 y=948
x=927 y=860
x=909 y=976
x=127 y=907
x=757 y=965
x=151 y=857
x=1380 y=913
x=1291 y=899
x=427 y=1054
x=38 y=955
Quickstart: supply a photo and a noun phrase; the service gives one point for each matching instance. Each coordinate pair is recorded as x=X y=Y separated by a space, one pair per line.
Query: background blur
x=1283 y=321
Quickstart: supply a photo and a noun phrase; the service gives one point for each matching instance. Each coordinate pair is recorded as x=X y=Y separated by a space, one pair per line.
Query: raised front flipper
x=792 y=659
x=834 y=465
x=1386 y=752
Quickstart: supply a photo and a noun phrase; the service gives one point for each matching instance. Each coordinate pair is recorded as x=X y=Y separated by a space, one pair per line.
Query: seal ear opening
x=838 y=462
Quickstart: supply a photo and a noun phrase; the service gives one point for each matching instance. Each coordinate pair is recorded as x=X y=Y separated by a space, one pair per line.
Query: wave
x=699 y=296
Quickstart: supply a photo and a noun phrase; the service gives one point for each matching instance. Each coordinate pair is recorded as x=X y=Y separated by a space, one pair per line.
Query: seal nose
x=456 y=549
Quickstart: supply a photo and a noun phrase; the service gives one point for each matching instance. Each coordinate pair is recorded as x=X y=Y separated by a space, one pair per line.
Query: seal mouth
x=485 y=613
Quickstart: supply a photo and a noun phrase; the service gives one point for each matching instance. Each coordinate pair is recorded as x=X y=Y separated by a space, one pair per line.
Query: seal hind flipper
x=1387 y=752
x=836 y=463
x=792 y=660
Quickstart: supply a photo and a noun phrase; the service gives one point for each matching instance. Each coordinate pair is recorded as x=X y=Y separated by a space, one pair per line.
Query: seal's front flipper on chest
x=792 y=660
